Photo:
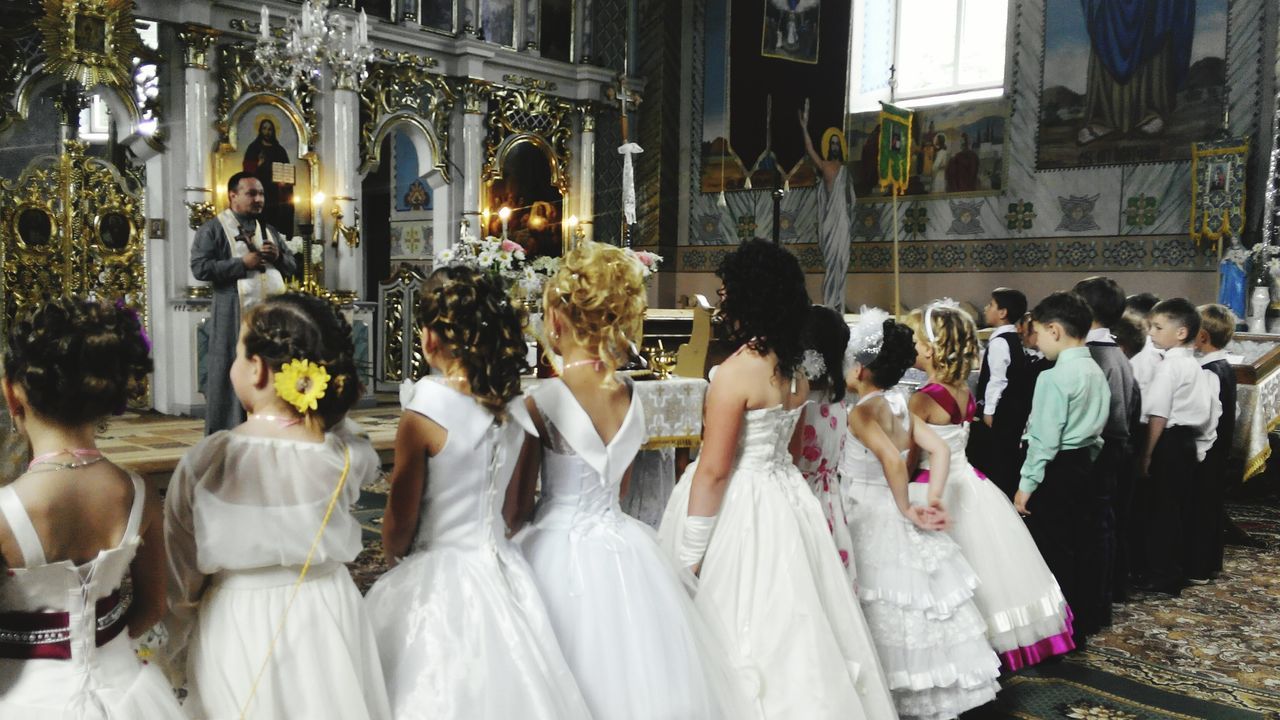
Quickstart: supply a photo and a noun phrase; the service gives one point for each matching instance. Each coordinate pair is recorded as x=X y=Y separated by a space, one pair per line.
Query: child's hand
x=1020 y=500
x=988 y=420
x=1144 y=469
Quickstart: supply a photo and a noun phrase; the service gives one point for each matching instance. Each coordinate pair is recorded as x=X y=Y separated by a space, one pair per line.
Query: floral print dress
x=822 y=436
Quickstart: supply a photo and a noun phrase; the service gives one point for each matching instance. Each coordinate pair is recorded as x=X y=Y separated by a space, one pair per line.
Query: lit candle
x=318 y=199
x=504 y=214
x=265 y=30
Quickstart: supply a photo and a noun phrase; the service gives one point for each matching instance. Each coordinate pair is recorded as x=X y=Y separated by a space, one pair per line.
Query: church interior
x=902 y=151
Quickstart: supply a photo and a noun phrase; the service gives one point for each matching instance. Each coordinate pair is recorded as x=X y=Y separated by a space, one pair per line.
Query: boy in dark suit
x=1207 y=518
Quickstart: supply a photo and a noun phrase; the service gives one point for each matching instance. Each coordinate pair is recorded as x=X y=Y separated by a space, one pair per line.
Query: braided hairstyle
x=897 y=354
x=765 y=301
x=599 y=289
x=955 y=341
x=78 y=360
x=297 y=326
x=474 y=317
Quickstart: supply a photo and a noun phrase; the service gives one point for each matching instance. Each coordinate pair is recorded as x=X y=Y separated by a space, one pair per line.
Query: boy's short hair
x=1219 y=323
x=1104 y=298
x=1068 y=310
x=1182 y=313
x=1142 y=302
x=1130 y=332
x=1013 y=302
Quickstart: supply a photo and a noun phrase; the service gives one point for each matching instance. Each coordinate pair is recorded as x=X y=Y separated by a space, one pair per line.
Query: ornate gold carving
x=475 y=96
x=404 y=58
x=533 y=117
x=196 y=40
x=350 y=233
x=91 y=42
x=68 y=225
x=588 y=112
x=530 y=83
x=240 y=75
x=200 y=291
x=199 y=213
x=405 y=89
x=393 y=336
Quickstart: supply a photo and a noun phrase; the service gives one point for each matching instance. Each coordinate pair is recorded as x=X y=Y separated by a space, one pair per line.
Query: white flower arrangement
x=649 y=262
x=296 y=245
x=1264 y=262
x=499 y=258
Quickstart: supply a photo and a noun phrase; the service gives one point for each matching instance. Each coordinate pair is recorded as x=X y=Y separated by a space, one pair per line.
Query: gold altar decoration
x=242 y=81
x=403 y=90
x=68 y=224
x=91 y=42
x=529 y=116
x=198 y=213
x=400 y=355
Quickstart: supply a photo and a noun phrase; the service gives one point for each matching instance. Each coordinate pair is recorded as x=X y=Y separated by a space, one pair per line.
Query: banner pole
x=897 y=290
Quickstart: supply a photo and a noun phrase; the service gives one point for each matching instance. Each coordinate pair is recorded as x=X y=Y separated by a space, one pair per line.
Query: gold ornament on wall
x=91 y=42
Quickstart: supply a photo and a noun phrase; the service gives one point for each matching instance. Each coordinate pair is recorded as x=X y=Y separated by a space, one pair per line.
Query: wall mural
x=1130 y=82
x=412 y=193
x=956 y=150
x=788 y=56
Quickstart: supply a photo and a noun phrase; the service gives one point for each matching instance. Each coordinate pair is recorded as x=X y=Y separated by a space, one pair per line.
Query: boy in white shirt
x=1183 y=410
x=1005 y=386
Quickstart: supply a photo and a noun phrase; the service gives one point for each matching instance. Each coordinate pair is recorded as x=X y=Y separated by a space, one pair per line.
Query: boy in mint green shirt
x=1064 y=434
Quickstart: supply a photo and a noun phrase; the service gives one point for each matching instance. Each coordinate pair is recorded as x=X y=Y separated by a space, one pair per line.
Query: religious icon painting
x=266 y=144
x=1115 y=91
x=1217 y=188
x=790 y=30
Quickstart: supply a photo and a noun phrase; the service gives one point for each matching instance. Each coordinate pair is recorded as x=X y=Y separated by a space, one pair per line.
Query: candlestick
x=264 y=31
x=364 y=28
x=504 y=214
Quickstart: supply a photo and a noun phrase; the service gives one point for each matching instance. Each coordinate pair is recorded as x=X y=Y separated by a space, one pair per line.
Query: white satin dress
x=627 y=626
x=97 y=682
x=462 y=631
x=772 y=583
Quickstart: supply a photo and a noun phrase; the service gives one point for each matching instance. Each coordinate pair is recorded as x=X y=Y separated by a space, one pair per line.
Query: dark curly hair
x=897 y=354
x=297 y=326
x=765 y=301
x=78 y=360
x=825 y=331
x=474 y=316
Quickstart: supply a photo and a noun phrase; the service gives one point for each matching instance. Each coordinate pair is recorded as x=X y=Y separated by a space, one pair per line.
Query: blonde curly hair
x=599 y=291
x=954 y=343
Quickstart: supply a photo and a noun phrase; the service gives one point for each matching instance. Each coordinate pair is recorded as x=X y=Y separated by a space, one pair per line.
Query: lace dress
x=917 y=592
x=629 y=630
x=461 y=628
x=823 y=427
x=64 y=647
x=772 y=585
x=1027 y=617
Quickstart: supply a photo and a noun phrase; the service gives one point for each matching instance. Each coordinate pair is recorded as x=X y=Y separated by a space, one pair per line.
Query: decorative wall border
x=1158 y=253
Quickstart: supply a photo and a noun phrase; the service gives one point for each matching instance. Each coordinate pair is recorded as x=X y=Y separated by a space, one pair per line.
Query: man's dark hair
x=1068 y=310
x=1013 y=302
x=1104 y=298
x=233 y=185
x=1142 y=302
x=1182 y=313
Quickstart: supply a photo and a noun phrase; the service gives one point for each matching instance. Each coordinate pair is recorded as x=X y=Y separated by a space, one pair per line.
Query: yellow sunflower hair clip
x=301 y=383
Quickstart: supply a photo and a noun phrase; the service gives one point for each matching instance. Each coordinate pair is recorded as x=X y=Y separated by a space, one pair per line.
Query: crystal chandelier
x=311 y=41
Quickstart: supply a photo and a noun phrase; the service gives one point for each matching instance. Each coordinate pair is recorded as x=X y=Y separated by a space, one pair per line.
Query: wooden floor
x=152 y=444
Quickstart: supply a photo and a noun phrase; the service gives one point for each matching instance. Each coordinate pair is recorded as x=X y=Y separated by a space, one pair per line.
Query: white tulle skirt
x=324 y=665
x=114 y=684
x=773 y=585
x=917 y=592
x=628 y=628
x=1026 y=614
x=463 y=635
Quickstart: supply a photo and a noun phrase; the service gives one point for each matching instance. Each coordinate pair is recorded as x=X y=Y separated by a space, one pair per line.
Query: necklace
x=455 y=379
x=596 y=362
x=281 y=422
x=90 y=455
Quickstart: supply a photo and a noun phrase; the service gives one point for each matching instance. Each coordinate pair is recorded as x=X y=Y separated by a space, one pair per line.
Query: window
x=941 y=50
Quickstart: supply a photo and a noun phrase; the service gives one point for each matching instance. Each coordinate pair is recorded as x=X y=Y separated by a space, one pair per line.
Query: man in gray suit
x=240 y=255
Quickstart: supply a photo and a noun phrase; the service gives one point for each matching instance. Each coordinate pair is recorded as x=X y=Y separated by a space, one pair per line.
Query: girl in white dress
x=74 y=526
x=915 y=586
x=1027 y=617
x=771 y=582
x=824 y=421
x=258 y=527
x=462 y=632
x=627 y=627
